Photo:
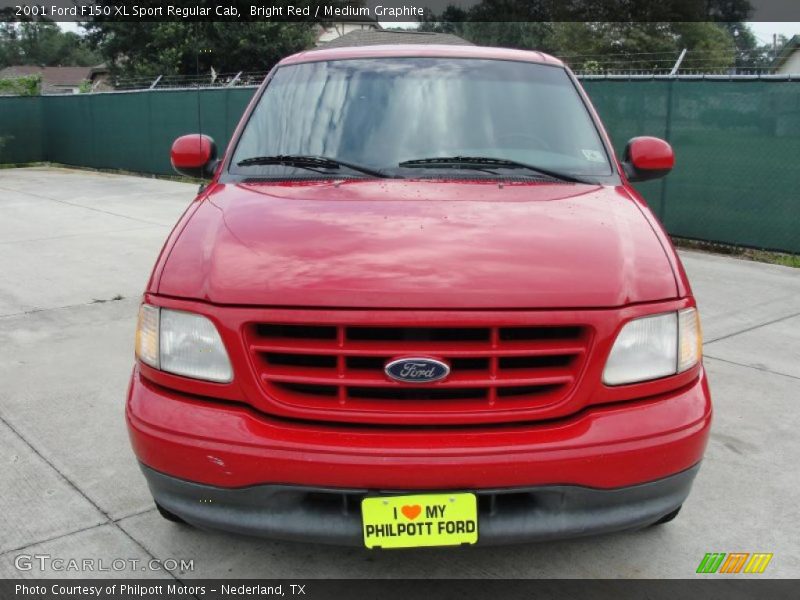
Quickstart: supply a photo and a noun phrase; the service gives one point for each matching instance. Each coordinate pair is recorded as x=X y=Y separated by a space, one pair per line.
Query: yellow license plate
x=421 y=520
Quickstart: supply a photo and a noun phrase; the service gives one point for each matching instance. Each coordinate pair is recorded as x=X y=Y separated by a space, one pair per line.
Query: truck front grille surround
x=339 y=368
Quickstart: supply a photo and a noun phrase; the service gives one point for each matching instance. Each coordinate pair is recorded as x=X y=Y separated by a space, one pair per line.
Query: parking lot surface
x=76 y=249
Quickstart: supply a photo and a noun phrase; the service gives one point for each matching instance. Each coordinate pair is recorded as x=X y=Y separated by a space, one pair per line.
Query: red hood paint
x=418 y=244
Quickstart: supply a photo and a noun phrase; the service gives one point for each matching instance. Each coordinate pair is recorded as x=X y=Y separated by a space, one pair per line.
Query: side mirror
x=647 y=158
x=194 y=155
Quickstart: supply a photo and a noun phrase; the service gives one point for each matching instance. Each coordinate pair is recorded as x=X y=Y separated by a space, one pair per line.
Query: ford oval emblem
x=416 y=370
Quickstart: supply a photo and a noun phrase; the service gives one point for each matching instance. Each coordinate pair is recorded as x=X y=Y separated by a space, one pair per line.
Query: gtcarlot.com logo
x=47 y=562
x=734 y=562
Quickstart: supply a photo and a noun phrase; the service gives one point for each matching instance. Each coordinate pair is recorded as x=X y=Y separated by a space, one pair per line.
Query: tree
x=605 y=46
x=750 y=54
x=517 y=34
x=8 y=44
x=645 y=46
x=508 y=34
x=615 y=45
x=623 y=35
x=181 y=48
x=710 y=44
x=43 y=43
x=148 y=49
x=450 y=21
x=26 y=85
x=583 y=11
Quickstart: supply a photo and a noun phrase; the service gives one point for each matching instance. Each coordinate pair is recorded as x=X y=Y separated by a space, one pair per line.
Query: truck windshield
x=391 y=114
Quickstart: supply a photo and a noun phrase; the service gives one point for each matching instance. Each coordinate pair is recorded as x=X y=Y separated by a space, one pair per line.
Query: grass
x=766 y=256
x=22 y=165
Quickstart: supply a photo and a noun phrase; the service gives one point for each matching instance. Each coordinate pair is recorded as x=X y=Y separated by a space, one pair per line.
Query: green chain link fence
x=737 y=144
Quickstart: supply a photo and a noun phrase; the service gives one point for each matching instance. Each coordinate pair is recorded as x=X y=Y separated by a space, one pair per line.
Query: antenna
x=198 y=50
x=197 y=80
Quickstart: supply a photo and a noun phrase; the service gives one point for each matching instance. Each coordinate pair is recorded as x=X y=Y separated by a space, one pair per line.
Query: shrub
x=27 y=85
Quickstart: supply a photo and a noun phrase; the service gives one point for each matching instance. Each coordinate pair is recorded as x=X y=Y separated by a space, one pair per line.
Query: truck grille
x=339 y=369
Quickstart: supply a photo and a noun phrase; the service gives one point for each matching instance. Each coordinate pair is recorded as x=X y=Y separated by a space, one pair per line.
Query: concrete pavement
x=76 y=249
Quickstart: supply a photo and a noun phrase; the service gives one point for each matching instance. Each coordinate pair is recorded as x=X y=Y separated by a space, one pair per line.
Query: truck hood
x=418 y=244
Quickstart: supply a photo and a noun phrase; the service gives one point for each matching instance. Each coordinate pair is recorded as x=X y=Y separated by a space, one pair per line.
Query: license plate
x=420 y=520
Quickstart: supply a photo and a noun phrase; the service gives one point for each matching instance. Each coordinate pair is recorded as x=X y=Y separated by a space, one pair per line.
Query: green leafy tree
x=183 y=48
x=578 y=11
x=620 y=35
x=602 y=46
x=8 y=44
x=180 y=48
x=43 y=43
x=450 y=21
x=516 y=34
x=711 y=45
x=27 y=85
x=644 y=46
x=750 y=53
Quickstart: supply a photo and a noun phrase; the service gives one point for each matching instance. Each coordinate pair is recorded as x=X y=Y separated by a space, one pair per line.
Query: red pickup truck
x=419 y=303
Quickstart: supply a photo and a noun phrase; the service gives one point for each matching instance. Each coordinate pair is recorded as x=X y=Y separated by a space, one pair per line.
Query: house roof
x=376 y=37
x=51 y=76
x=789 y=48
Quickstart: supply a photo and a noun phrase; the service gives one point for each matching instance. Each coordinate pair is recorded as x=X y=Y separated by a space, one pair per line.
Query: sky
x=763 y=31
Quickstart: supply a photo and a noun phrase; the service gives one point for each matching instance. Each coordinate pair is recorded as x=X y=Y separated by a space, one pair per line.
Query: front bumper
x=229 y=445
x=608 y=468
x=505 y=516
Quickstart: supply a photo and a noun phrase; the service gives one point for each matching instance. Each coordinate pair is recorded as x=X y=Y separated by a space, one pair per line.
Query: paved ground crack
x=729 y=335
x=74 y=486
x=762 y=369
x=83 y=234
x=33 y=311
x=76 y=205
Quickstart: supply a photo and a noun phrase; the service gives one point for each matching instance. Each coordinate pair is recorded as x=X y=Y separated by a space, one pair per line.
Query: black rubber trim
x=505 y=516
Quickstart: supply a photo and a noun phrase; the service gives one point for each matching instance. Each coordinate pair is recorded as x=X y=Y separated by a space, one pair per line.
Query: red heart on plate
x=411 y=511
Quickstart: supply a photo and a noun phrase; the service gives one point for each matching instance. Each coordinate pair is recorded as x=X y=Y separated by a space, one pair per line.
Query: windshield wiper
x=311 y=162
x=482 y=162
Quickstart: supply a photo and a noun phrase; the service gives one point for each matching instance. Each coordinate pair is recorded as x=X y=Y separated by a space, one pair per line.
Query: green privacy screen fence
x=21 y=134
x=737 y=154
x=737 y=143
x=127 y=130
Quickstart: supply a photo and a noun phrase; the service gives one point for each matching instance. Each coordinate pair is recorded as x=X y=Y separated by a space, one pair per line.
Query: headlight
x=656 y=346
x=182 y=343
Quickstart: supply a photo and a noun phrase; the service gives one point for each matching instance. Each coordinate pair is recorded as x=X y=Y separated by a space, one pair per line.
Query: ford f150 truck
x=418 y=303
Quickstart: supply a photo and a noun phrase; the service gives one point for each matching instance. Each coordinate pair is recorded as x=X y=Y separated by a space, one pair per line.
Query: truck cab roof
x=421 y=50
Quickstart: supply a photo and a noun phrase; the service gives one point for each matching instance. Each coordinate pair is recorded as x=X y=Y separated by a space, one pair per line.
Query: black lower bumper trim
x=505 y=516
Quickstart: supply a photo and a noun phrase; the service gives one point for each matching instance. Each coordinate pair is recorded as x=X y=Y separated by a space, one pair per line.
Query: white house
x=332 y=31
x=788 y=59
